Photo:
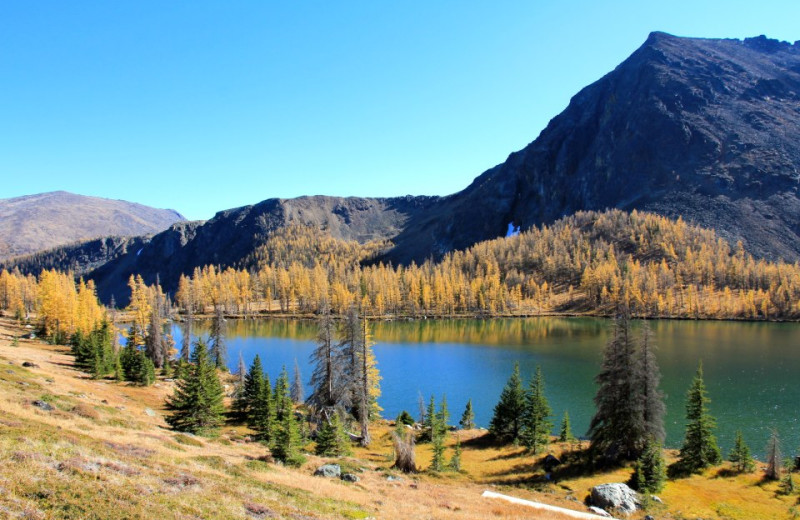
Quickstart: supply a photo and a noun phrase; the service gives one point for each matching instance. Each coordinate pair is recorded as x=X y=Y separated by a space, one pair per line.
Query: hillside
x=104 y=451
x=37 y=222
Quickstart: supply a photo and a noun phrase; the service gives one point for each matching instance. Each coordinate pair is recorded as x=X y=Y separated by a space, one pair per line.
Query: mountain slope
x=37 y=222
x=703 y=128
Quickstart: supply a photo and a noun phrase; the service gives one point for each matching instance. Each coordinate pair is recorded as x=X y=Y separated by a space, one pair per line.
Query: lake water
x=751 y=369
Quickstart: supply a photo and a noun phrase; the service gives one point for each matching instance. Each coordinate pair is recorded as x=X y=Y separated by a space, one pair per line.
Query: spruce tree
x=649 y=470
x=281 y=398
x=444 y=413
x=455 y=460
x=467 y=421
x=429 y=424
x=438 y=438
x=536 y=425
x=297 y=385
x=565 y=432
x=252 y=388
x=332 y=440
x=774 y=462
x=506 y=423
x=263 y=411
x=218 y=348
x=153 y=347
x=787 y=484
x=197 y=405
x=186 y=337
x=286 y=447
x=740 y=455
x=647 y=381
x=699 y=449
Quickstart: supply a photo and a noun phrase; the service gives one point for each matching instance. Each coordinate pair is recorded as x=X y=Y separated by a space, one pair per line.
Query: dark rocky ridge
x=706 y=129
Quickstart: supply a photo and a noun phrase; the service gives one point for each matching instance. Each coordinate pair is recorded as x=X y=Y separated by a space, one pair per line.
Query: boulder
x=44 y=405
x=350 y=477
x=615 y=496
x=329 y=470
x=29 y=364
x=550 y=463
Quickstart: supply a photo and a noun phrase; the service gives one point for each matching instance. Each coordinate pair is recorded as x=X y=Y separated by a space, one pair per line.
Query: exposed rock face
x=707 y=129
x=329 y=471
x=38 y=222
x=615 y=496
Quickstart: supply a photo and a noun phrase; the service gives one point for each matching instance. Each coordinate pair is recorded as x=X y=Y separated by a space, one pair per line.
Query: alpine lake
x=751 y=369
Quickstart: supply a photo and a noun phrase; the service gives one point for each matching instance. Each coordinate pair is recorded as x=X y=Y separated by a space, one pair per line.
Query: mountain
x=704 y=129
x=37 y=222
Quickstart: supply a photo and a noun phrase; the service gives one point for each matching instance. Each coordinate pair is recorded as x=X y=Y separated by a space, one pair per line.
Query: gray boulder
x=615 y=496
x=44 y=405
x=350 y=477
x=329 y=470
x=599 y=512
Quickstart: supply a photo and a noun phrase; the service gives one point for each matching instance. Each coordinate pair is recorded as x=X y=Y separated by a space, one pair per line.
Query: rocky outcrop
x=329 y=471
x=615 y=496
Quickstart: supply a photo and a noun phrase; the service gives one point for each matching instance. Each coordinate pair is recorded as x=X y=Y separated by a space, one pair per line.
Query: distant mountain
x=37 y=222
x=704 y=129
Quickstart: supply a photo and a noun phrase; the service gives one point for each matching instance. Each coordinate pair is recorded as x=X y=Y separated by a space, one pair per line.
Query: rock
x=392 y=478
x=656 y=499
x=104 y=401
x=617 y=496
x=47 y=407
x=649 y=517
x=329 y=470
x=599 y=512
x=28 y=364
x=149 y=412
x=550 y=463
x=350 y=477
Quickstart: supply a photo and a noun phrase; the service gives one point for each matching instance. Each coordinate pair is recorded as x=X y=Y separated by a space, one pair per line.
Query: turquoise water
x=751 y=369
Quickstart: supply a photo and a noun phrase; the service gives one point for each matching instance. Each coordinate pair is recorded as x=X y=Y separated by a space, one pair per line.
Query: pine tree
x=252 y=388
x=197 y=404
x=649 y=471
x=565 y=432
x=280 y=396
x=438 y=438
x=647 y=381
x=327 y=378
x=153 y=347
x=263 y=411
x=297 y=385
x=430 y=420
x=467 y=421
x=218 y=348
x=774 y=462
x=506 y=423
x=287 y=442
x=740 y=455
x=787 y=484
x=332 y=440
x=536 y=426
x=699 y=449
x=444 y=413
x=186 y=337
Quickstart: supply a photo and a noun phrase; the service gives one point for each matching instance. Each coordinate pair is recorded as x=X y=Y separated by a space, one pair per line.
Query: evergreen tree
x=455 y=460
x=430 y=420
x=467 y=421
x=287 y=442
x=263 y=411
x=241 y=378
x=281 y=398
x=774 y=462
x=251 y=390
x=438 y=438
x=404 y=418
x=565 y=433
x=506 y=423
x=536 y=426
x=647 y=381
x=297 y=385
x=444 y=413
x=740 y=455
x=617 y=429
x=332 y=440
x=327 y=379
x=153 y=347
x=649 y=470
x=218 y=348
x=186 y=336
x=136 y=366
x=787 y=484
x=699 y=449
x=197 y=404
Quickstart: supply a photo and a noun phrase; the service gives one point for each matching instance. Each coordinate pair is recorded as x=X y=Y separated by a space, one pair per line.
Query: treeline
x=588 y=262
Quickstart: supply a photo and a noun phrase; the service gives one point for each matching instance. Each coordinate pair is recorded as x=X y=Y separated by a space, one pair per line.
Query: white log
x=543 y=507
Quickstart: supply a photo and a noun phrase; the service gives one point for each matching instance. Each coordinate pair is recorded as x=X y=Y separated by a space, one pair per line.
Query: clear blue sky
x=201 y=106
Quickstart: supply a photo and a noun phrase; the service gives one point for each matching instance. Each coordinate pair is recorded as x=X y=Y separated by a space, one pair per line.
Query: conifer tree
x=430 y=420
x=218 y=348
x=286 y=447
x=197 y=404
x=186 y=336
x=263 y=411
x=245 y=400
x=787 y=484
x=699 y=449
x=455 y=460
x=153 y=347
x=444 y=413
x=280 y=396
x=467 y=421
x=438 y=438
x=332 y=440
x=774 y=462
x=506 y=423
x=740 y=455
x=327 y=378
x=649 y=471
x=297 y=385
x=565 y=433
x=647 y=381
x=536 y=425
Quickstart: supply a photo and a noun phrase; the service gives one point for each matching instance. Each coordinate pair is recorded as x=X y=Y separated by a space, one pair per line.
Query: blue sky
x=202 y=106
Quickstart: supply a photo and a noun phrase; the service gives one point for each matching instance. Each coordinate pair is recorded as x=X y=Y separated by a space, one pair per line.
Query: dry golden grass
x=99 y=455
